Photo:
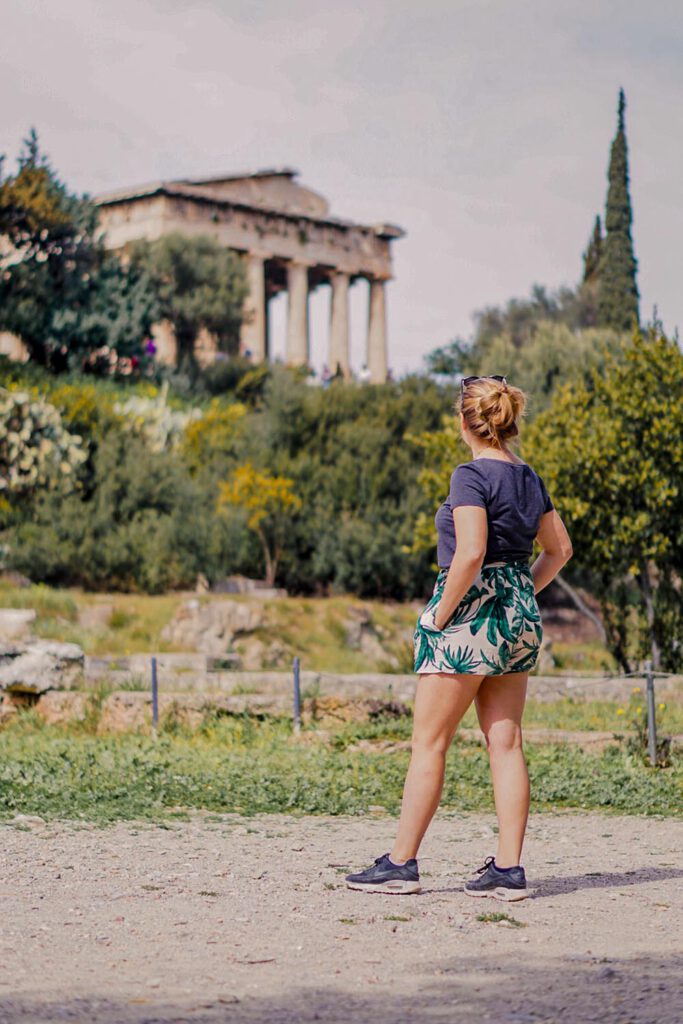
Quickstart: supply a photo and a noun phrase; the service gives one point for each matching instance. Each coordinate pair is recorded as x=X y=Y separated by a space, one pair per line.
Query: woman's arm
x=557 y=550
x=471 y=531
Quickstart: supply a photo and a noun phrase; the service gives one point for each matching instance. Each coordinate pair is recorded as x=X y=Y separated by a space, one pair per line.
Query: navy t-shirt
x=514 y=497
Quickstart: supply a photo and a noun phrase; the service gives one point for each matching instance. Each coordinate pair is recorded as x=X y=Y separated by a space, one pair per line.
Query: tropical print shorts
x=496 y=628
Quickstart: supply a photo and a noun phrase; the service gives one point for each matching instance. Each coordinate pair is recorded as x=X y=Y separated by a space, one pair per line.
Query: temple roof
x=272 y=190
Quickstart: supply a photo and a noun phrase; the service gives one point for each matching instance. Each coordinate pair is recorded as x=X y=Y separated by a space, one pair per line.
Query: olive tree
x=610 y=449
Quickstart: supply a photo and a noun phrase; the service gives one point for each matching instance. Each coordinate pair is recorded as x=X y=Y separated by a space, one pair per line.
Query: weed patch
x=500 y=918
x=251 y=767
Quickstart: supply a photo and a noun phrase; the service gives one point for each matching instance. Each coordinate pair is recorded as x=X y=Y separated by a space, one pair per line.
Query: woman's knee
x=503 y=737
x=430 y=744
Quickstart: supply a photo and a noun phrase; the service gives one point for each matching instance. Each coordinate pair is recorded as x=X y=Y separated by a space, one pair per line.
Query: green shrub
x=144 y=525
x=35 y=449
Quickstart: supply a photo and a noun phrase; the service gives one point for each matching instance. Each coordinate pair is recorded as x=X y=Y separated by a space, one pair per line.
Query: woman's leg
x=500 y=705
x=440 y=702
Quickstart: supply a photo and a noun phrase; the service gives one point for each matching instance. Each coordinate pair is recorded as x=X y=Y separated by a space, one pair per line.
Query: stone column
x=164 y=338
x=339 y=324
x=297 y=314
x=377 y=333
x=254 y=326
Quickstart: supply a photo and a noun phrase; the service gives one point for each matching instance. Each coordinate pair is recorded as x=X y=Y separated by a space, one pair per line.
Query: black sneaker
x=507 y=884
x=384 y=876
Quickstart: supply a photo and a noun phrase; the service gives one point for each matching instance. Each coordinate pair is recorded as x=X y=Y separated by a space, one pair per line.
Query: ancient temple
x=289 y=242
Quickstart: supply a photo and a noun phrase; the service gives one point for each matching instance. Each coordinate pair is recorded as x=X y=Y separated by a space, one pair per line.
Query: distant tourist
x=326 y=376
x=478 y=638
x=364 y=375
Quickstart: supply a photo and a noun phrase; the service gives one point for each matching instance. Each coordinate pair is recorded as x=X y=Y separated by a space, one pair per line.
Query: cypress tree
x=618 y=291
x=593 y=255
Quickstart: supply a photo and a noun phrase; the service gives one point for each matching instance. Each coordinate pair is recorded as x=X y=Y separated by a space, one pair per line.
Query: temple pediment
x=271 y=190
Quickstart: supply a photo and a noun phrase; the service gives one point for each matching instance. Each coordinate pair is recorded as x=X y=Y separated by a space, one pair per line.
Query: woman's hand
x=556 y=550
x=432 y=620
x=439 y=620
x=427 y=619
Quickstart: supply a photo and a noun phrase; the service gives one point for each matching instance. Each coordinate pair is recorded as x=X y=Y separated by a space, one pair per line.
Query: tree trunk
x=581 y=606
x=645 y=585
x=271 y=562
x=615 y=618
x=186 y=360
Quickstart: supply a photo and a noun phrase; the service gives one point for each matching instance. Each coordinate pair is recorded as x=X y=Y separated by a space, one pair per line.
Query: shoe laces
x=486 y=865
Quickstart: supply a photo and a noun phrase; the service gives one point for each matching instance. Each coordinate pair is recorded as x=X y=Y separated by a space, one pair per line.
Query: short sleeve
x=547 y=501
x=467 y=488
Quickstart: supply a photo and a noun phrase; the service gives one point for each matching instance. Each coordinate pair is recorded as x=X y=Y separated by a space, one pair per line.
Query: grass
x=582 y=657
x=313 y=628
x=134 y=626
x=239 y=765
x=567 y=714
x=499 y=918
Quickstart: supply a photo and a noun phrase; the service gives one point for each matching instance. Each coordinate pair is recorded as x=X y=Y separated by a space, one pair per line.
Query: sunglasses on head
x=490 y=376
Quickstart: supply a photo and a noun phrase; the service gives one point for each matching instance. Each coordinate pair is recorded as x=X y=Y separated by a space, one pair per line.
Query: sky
x=482 y=127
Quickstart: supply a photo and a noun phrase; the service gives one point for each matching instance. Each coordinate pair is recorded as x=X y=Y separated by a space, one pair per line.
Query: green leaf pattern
x=495 y=629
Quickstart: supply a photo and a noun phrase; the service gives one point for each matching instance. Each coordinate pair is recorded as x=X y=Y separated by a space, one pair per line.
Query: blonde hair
x=492 y=410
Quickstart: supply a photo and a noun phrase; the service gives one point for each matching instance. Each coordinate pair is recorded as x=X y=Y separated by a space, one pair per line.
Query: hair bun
x=492 y=409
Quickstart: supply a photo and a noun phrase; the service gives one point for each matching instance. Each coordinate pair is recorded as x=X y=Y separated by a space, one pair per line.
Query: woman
x=478 y=638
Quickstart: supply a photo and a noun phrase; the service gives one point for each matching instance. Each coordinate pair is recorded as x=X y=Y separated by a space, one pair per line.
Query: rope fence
x=649 y=675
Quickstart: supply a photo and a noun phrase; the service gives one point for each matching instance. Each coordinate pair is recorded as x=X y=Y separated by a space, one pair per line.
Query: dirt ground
x=246 y=920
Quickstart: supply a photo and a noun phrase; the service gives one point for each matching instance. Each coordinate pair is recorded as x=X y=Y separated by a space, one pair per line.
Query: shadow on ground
x=559 y=885
x=490 y=988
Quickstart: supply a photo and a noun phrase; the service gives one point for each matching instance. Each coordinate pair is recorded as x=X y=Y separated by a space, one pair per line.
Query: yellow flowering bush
x=268 y=503
x=214 y=434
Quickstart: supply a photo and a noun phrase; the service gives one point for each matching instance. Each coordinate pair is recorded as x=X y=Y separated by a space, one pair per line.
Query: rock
x=358 y=618
x=363 y=635
x=331 y=710
x=255 y=655
x=243 y=585
x=59 y=706
x=96 y=616
x=16 y=623
x=546 y=660
x=40 y=666
x=8 y=708
x=130 y=711
x=169 y=666
x=126 y=710
x=27 y=819
x=202 y=584
x=371 y=646
x=210 y=627
x=15 y=579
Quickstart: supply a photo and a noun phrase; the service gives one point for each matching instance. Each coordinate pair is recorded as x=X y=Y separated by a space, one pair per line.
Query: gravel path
x=245 y=920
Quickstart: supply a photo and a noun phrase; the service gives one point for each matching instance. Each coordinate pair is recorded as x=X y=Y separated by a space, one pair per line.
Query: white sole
x=390 y=888
x=504 y=895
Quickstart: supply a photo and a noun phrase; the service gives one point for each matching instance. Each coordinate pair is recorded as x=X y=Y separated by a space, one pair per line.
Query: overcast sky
x=482 y=128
